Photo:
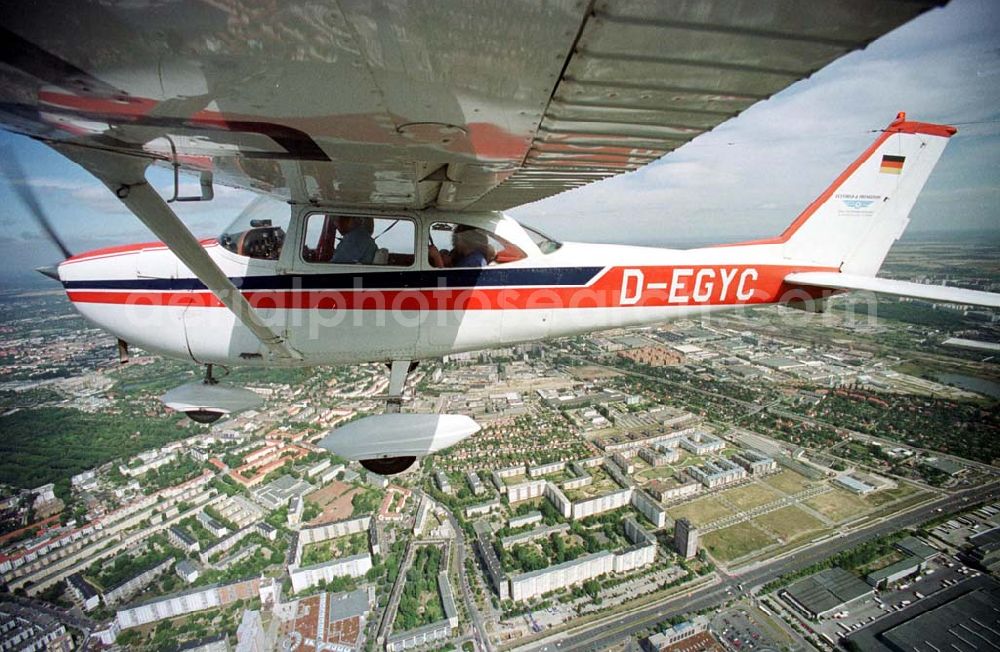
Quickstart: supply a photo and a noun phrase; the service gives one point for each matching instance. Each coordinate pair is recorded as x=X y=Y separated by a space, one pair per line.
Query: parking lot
x=740 y=629
x=940 y=574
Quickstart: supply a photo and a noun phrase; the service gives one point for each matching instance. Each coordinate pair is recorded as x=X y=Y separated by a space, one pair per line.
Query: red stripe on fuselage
x=619 y=287
x=121 y=250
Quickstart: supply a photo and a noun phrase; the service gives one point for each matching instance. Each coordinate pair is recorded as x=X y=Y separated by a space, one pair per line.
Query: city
x=767 y=479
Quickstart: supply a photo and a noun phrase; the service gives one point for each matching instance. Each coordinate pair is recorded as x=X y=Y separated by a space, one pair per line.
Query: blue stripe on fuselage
x=451 y=278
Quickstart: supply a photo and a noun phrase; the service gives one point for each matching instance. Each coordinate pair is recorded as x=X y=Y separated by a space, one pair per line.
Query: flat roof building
x=826 y=592
x=917 y=548
x=961 y=617
x=893 y=573
x=441 y=479
x=83 y=592
x=186 y=571
x=525 y=519
x=685 y=538
x=851 y=483
x=498 y=578
x=985 y=551
x=475 y=484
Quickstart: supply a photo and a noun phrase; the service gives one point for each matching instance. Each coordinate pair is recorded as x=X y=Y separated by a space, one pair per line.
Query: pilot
x=438 y=257
x=470 y=247
x=356 y=244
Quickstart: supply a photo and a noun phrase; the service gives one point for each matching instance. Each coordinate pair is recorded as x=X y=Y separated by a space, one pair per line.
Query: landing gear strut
x=398 y=372
x=391 y=442
x=206 y=415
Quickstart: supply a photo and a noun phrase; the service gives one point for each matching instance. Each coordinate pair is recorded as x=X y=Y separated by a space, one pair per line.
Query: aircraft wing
x=476 y=104
x=938 y=293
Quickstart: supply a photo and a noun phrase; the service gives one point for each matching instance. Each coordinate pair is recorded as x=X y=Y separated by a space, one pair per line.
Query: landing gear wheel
x=204 y=416
x=388 y=465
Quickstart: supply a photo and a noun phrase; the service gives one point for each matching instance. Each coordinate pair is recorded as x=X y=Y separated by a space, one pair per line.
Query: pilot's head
x=466 y=239
x=346 y=224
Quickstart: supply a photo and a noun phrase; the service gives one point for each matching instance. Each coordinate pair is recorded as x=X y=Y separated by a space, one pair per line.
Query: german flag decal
x=892 y=164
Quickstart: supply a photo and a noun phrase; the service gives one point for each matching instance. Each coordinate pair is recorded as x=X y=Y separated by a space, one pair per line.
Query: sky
x=746 y=179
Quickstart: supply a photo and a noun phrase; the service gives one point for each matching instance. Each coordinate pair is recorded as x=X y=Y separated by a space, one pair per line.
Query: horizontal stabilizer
x=940 y=293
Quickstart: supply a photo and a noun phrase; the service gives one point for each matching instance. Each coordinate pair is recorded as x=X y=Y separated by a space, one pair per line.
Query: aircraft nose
x=52 y=271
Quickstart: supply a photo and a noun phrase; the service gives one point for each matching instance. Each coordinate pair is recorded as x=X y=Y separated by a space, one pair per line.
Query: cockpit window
x=544 y=243
x=359 y=240
x=460 y=245
x=259 y=231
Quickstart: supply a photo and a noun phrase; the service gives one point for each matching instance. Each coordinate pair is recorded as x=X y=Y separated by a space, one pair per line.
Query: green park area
x=602 y=484
x=646 y=473
x=788 y=481
x=324 y=551
x=750 y=495
x=903 y=490
x=838 y=505
x=735 y=541
x=420 y=604
x=701 y=511
x=789 y=523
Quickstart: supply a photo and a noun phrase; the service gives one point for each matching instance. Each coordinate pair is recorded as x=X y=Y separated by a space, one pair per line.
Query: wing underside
x=473 y=105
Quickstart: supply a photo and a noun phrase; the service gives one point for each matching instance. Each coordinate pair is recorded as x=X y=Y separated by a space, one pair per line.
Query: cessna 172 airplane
x=397 y=133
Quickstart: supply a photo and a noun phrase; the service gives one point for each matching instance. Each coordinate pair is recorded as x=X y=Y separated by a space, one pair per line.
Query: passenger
x=470 y=247
x=438 y=257
x=356 y=244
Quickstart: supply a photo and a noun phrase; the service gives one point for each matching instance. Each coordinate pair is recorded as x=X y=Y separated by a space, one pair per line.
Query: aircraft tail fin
x=854 y=222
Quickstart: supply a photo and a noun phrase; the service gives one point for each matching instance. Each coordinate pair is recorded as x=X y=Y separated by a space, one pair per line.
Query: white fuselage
x=360 y=313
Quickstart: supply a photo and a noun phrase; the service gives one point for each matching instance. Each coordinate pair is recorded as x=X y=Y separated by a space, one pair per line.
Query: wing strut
x=126 y=177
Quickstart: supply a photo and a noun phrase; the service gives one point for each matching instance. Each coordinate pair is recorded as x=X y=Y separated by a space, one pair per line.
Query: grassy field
x=701 y=511
x=790 y=523
x=655 y=473
x=788 y=481
x=602 y=484
x=735 y=541
x=687 y=459
x=750 y=496
x=889 y=495
x=838 y=505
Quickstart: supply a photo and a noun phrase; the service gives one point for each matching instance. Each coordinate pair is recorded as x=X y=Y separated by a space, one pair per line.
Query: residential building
x=133 y=585
x=479 y=509
x=309 y=576
x=717 y=473
x=180 y=538
x=755 y=462
x=217 y=529
x=649 y=507
x=29 y=630
x=83 y=592
x=525 y=519
x=525 y=491
x=475 y=484
x=187 y=571
x=685 y=538
x=296 y=504
x=442 y=482
x=185 y=602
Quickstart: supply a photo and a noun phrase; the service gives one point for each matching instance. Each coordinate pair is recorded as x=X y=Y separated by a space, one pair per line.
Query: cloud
x=752 y=175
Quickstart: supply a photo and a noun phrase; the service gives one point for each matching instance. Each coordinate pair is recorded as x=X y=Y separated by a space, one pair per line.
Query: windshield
x=259 y=231
x=544 y=243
